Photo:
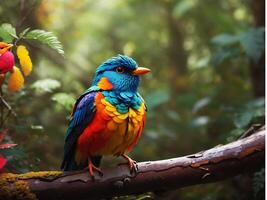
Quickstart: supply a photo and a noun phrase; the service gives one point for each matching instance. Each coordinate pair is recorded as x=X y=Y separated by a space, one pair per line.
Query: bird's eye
x=120 y=69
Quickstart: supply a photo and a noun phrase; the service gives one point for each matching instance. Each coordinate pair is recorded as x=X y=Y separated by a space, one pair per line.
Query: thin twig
x=9 y=108
x=253 y=129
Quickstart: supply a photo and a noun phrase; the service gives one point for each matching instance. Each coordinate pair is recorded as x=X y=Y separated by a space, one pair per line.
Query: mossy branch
x=218 y=163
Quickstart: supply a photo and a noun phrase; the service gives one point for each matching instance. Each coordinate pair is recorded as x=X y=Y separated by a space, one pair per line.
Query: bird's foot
x=93 y=168
x=131 y=163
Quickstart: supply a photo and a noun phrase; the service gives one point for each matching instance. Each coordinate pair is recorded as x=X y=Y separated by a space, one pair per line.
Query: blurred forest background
x=207 y=85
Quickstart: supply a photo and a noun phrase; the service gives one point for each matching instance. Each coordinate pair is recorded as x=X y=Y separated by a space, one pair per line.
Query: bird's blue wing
x=83 y=113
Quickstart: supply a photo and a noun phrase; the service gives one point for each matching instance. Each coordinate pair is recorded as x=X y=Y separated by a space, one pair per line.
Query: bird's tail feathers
x=69 y=163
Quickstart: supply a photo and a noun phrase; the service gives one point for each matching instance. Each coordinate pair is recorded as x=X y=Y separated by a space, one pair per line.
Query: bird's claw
x=131 y=163
x=93 y=168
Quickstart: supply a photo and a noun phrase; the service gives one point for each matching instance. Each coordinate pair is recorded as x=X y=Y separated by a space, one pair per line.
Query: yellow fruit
x=16 y=80
x=24 y=59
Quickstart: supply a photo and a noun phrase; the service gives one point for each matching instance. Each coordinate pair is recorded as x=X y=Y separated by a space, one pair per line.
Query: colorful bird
x=108 y=119
x=7 y=59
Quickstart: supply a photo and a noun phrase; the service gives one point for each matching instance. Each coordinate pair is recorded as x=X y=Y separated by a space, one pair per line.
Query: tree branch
x=218 y=163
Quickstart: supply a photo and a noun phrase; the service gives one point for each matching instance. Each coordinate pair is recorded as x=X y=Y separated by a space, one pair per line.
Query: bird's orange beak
x=141 y=71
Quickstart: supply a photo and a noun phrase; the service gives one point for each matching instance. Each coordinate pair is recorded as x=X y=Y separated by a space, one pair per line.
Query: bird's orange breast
x=111 y=132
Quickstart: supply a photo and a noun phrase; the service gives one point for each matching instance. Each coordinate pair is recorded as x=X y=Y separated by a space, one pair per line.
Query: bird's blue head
x=119 y=73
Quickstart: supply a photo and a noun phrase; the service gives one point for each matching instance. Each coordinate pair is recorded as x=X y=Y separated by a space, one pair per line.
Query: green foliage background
x=199 y=94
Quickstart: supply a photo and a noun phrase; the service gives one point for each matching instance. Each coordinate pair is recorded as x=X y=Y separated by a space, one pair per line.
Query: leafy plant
x=64 y=100
x=45 y=37
x=45 y=85
x=251 y=111
x=8 y=34
x=251 y=42
x=13 y=42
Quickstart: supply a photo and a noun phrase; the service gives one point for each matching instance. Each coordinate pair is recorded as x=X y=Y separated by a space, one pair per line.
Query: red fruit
x=3 y=161
x=7 y=61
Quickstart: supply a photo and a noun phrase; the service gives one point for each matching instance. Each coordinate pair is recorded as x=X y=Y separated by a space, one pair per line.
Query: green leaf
x=23 y=33
x=225 y=39
x=223 y=54
x=5 y=36
x=45 y=85
x=10 y=30
x=65 y=100
x=7 y=32
x=47 y=38
x=256 y=107
x=253 y=43
x=256 y=103
x=259 y=112
x=241 y=120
